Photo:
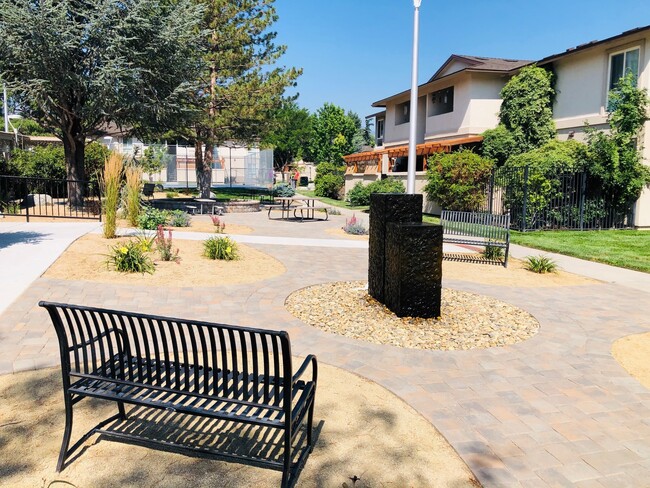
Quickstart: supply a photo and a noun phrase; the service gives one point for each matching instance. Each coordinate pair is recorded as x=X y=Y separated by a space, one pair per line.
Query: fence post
x=491 y=193
x=583 y=189
x=524 y=205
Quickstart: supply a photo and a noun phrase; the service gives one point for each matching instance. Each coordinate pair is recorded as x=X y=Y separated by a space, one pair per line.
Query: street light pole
x=413 y=116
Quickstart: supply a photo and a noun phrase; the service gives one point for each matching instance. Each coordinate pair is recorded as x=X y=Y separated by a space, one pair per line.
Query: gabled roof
x=479 y=63
x=472 y=64
x=588 y=45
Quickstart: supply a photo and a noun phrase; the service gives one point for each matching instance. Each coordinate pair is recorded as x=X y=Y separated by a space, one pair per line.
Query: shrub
x=164 y=246
x=458 y=181
x=334 y=211
x=360 y=194
x=353 y=226
x=178 y=218
x=220 y=248
x=130 y=257
x=329 y=180
x=41 y=162
x=171 y=194
x=94 y=156
x=220 y=226
x=110 y=184
x=540 y=264
x=329 y=186
x=283 y=190
x=493 y=252
x=133 y=176
x=151 y=218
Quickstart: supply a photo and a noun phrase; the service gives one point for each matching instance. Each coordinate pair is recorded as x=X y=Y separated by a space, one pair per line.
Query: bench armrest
x=301 y=370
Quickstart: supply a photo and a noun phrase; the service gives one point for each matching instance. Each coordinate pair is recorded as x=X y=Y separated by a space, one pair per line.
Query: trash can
x=304 y=181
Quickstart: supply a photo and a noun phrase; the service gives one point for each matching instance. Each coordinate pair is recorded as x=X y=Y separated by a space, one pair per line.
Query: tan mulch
x=85 y=260
x=632 y=352
x=468 y=321
x=362 y=430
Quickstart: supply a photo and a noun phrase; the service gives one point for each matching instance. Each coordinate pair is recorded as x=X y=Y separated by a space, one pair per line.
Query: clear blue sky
x=355 y=52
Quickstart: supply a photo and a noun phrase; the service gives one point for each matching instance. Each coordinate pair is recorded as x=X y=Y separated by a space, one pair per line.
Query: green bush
x=458 y=180
x=222 y=248
x=151 y=218
x=493 y=252
x=540 y=264
x=329 y=186
x=283 y=190
x=130 y=257
x=41 y=162
x=329 y=180
x=360 y=194
x=178 y=218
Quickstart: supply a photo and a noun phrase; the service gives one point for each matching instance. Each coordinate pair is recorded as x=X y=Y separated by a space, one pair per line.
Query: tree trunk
x=74 y=149
x=203 y=169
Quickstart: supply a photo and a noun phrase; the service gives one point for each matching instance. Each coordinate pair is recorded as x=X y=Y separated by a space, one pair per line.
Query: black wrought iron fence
x=537 y=200
x=54 y=198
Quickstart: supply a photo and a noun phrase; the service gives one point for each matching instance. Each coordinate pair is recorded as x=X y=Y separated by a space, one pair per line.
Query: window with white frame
x=621 y=63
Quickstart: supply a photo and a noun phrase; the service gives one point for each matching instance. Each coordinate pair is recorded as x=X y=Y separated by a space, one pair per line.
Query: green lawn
x=622 y=248
x=332 y=201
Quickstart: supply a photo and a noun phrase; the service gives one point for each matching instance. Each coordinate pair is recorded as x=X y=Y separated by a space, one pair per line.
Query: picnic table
x=298 y=203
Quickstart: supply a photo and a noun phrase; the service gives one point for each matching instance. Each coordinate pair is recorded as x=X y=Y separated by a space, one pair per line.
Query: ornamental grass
x=133 y=176
x=111 y=181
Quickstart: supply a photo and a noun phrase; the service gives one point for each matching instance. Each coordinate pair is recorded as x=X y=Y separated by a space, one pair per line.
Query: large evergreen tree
x=79 y=64
x=241 y=88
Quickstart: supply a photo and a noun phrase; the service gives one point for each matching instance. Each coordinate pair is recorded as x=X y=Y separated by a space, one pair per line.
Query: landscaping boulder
x=36 y=199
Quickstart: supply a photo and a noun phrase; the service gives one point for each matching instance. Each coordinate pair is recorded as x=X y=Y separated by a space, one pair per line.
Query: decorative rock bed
x=468 y=321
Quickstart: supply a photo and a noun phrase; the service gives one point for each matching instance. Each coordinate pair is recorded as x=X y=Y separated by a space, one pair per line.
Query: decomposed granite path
x=555 y=410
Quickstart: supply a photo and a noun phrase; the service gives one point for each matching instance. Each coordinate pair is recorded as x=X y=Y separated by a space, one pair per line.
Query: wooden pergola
x=370 y=161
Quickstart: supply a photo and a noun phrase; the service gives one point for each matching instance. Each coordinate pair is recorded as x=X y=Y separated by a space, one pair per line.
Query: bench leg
x=120 y=408
x=310 y=425
x=66 y=433
x=286 y=470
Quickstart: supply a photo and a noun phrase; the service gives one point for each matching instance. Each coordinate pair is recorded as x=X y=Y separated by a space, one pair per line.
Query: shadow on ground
x=363 y=433
x=8 y=239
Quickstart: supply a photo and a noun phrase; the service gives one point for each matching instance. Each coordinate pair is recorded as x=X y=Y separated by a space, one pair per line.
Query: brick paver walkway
x=556 y=410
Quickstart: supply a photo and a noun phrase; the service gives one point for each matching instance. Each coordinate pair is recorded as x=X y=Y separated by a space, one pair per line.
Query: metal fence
x=53 y=198
x=538 y=200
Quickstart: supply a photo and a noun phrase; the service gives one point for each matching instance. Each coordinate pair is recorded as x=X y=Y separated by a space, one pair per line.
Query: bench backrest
x=476 y=224
x=170 y=353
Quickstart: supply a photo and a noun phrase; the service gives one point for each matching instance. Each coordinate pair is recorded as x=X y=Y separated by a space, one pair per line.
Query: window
x=380 y=132
x=442 y=102
x=402 y=113
x=621 y=64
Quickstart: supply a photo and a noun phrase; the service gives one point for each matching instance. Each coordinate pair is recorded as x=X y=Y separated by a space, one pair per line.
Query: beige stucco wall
x=581 y=87
x=399 y=134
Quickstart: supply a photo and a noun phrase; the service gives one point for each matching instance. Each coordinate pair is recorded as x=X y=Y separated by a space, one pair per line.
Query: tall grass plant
x=110 y=185
x=133 y=177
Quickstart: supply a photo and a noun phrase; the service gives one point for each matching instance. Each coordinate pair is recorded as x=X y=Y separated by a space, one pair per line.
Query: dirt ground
x=632 y=352
x=362 y=430
x=85 y=260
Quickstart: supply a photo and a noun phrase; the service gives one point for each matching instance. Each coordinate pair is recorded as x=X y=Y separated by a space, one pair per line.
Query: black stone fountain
x=405 y=256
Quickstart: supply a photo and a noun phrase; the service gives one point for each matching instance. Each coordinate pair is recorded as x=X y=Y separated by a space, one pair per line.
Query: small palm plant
x=540 y=264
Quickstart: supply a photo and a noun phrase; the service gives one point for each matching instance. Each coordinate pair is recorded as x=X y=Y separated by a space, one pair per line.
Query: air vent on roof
x=511 y=60
x=479 y=57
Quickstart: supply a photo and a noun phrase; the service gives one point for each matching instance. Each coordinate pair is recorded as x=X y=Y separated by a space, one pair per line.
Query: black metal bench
x=228 y=373
x=477 y=229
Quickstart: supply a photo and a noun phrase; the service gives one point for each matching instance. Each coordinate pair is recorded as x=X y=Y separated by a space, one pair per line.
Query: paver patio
x=556 y=410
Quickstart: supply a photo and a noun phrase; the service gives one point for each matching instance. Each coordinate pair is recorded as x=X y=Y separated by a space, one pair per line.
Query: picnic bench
x=305 y=205
x=477 y=229
x=234 y=375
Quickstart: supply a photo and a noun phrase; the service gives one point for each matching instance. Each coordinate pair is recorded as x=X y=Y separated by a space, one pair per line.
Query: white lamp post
x=413 y=116
x=5 y=108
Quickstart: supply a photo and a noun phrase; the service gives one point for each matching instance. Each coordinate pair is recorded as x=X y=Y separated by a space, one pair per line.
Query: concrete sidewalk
x=28 y=249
